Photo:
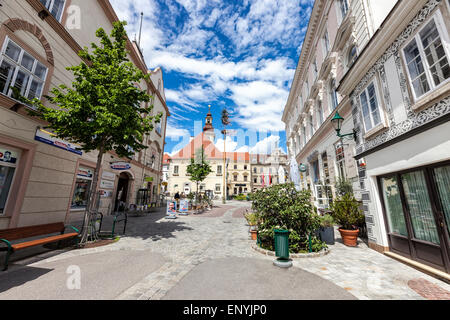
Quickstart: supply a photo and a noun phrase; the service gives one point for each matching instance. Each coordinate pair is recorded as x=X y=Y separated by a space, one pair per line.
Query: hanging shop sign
x=8 y=156
x=120 y=166
x=108 y=175
x=148 y=179
x=106 y=184
x=51 y=139
x=302 y=168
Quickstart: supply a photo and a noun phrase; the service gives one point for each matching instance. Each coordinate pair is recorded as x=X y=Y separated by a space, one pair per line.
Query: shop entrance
x=122 y=191
x=416 y=205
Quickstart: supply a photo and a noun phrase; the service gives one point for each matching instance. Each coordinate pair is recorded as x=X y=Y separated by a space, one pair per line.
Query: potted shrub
x=252 y=219
x=347 y=213
x=326 y=230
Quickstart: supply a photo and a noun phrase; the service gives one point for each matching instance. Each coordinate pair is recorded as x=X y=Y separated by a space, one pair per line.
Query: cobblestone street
x=209 y=256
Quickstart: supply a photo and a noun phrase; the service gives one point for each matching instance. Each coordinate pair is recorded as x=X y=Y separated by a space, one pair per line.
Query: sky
x=235 y=54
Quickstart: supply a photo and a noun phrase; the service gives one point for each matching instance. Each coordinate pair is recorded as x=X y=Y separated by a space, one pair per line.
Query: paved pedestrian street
x=209 y=256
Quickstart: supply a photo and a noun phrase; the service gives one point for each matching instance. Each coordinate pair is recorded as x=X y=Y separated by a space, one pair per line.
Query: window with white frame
x=333 y=95
x=352 y=55
x=304 y=135
x=340 y=159
x=20 y=70
x=370 y=107
x=427 y=57
x=319 y=111
x=343 y=4
x=55 y=7
x=326 y=43
x=175 y=169
x=311 y=124
x=315 y=70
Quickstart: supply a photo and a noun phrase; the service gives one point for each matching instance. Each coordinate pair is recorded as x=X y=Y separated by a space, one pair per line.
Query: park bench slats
x=8 y=235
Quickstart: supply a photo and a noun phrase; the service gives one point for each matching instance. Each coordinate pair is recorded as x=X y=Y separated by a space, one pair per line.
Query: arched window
x=352 y=55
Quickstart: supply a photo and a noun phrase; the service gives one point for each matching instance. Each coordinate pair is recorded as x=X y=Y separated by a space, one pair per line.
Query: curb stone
x=321 y=253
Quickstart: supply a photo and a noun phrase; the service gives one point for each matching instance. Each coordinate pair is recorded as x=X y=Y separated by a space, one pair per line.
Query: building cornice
x=394 y=24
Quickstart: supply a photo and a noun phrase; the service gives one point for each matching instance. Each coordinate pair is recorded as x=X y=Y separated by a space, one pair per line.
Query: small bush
x=283 y=207
x=347 y=213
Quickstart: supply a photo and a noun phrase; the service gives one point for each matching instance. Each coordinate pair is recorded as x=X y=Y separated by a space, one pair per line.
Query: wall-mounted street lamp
x=337 y=124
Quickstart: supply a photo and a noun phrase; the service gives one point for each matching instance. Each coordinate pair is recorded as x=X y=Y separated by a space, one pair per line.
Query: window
x=8 y=163
x=82 y=187
x=315 y=71
x=352 y=55
x=304 y=135
x=307 y=88
x=326 y=43
x=333 y=94
x=344 y=8
x=235 y=167
x=217 y=187
x=219 y=169
x=319 y=114
x=55 y=7
x=235 y=177
x=255 y=180
x=245 y=167
x=245 y=178
x=427 y=59
x=369 y=105
x=175 y=169
x=311 y=124
x=340 y=160
x=20 y=70
x=254 y=170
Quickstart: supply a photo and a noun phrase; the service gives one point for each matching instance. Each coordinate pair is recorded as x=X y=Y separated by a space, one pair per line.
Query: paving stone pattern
x=191 y=240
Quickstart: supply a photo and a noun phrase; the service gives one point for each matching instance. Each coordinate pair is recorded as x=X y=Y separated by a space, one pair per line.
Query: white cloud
x=266 y=146
x=230 y=144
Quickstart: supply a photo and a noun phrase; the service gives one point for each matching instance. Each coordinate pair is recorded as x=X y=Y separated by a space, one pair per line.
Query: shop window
x=370 y=108
x=55 y=7
x=8 y=163
x=82 y=188
x=393 y=206
x=426 y=58
x=21 y=71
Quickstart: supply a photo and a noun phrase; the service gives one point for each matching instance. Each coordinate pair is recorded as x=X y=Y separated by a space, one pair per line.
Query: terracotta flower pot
x=349 y=237
x=254 y=234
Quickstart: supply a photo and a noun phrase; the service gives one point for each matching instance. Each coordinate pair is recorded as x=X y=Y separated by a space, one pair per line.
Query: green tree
x=104 y=109
x=199 y=168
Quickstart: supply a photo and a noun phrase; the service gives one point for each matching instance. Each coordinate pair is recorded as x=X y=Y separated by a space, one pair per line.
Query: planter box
x=327 y=235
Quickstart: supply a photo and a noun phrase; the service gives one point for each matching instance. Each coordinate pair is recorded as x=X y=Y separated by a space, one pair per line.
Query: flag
x=262 y=178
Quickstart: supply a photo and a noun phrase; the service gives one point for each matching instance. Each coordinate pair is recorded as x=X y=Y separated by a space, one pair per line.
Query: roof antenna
x=140 y=30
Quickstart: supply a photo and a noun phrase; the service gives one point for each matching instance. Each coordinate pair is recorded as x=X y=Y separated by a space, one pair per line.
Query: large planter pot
x=327 y=235
x=349 y=237
x=254 y=234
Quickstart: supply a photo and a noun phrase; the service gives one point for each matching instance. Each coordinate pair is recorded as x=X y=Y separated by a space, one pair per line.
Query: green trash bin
x=282 y=244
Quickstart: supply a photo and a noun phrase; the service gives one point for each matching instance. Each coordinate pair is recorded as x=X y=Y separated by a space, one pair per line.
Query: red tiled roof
x=211 y=151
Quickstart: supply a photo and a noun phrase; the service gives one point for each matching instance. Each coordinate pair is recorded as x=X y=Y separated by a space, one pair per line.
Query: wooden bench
x=8 y=235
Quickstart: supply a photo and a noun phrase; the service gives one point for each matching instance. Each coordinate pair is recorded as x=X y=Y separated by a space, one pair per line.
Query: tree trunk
x=90 y=207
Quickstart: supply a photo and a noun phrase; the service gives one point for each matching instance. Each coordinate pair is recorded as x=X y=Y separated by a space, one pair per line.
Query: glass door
x=442 y=178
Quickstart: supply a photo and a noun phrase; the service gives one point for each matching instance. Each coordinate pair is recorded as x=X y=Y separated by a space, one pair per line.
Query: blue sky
x=240 y=55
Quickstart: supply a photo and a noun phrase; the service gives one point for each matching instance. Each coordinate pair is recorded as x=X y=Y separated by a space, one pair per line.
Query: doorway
x=122 y=191
x=416 y=208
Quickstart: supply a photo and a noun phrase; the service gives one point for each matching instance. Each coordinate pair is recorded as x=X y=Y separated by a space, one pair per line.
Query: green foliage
x=240 y=197
x=199 y=168
x=252 y=218
x=283 y=207
x=347 y=213
x=343 y=186
x=326 y=221
x=104 y=109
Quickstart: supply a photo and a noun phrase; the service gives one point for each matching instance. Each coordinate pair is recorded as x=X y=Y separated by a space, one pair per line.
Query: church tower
x=208 y=130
